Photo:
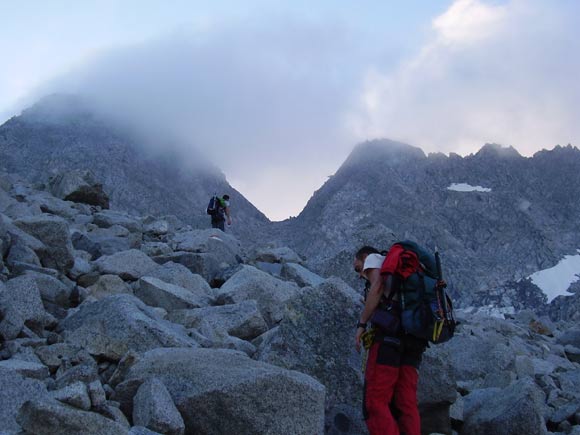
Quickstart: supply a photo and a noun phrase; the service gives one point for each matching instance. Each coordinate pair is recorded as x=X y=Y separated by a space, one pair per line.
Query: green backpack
x=426 y=308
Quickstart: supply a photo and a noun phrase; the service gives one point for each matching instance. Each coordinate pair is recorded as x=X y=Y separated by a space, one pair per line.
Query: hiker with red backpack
x=219 y=210
x=407 y=307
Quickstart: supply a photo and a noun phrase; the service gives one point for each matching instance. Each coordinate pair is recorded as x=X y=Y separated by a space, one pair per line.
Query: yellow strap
x=367 y=339
x=437 y=330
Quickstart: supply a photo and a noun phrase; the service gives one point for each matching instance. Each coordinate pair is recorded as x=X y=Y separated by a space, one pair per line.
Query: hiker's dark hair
x=226 y=197
x=365 y=250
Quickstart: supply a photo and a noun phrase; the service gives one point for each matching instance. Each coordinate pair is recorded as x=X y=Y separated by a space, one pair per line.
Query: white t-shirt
x=373 y=261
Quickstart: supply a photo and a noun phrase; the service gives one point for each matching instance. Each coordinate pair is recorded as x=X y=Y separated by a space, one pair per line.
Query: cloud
x=253 y=96
x=278 y=100
x=490 y=72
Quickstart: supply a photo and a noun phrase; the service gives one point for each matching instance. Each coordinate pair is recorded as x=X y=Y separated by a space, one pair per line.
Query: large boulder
x=15 y=390
x=108 y=285
x=108 y=241
x=78 y=186
x=241 y=320
x=157 y=293
x=21 y=253
x=208 y=265
x=53 y=232
x=515 y=410
x=50 y=417
x=437 y=390
x=316 y=338
x=108 y=218
x=300 y=275
x=271 y=293
x=178 y=274
x=52 y=290
x=481 y=358
x=570 y=337
x=22 y=297
x=154 y=409
x=224 y=246
x=222 y=391
x=129 y=265
x=111 y=327
x=277 y=255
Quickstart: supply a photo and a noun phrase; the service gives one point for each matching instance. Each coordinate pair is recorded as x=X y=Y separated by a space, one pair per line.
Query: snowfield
x=464 y=187
x=556 y=280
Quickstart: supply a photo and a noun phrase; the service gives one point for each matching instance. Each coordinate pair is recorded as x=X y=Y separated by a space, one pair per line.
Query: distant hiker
x=219 y=209
x=391 y=373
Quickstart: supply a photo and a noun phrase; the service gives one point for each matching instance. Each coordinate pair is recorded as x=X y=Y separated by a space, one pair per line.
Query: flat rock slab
x=26 y=368
x=157 y=293
x=222 y=391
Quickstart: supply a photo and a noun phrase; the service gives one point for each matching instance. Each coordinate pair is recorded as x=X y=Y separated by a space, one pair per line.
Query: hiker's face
x=358 y=266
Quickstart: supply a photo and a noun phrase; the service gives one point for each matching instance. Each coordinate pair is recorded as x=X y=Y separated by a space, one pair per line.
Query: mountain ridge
x=41 y=142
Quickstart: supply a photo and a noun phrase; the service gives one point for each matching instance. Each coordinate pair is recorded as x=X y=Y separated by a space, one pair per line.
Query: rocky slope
x=523 y=219
x=112 y=323
x=63 y=133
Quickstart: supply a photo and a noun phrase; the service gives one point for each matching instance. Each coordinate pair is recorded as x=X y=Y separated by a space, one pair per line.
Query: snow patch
x=464 y=187
x=556 y=280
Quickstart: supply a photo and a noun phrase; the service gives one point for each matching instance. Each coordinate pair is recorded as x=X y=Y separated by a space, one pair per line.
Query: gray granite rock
x=108 y=285
x=129 y=265
x=108 y=218
x=241 y=320
x=317 y=333
x=178 y=274
x=154 y=409
x=300 y=275
x=78 y=186
x=157 y=293
x=517 y=409
x=116 y=324
x=204 y=383
x=75 y=394
x=22 y=296
x=250 y=283
x=53 y=232
x=50 y=417
x=25 y=368
x=15 y=391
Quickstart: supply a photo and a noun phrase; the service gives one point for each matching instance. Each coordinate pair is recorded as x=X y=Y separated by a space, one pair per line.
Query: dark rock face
x=79 y=186
x=387 y=191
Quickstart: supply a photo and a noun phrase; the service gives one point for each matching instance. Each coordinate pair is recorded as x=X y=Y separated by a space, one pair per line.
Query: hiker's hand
x=359 y=332
x=229 y=221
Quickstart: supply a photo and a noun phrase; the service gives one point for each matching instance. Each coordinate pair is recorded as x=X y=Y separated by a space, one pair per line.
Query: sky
x=277 y=93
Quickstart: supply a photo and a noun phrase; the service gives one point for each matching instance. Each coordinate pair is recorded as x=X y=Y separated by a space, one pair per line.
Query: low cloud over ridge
x=279 y=102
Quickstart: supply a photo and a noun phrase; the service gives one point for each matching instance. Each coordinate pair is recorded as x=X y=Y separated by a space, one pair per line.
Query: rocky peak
x=496 y=151
x=384 y=152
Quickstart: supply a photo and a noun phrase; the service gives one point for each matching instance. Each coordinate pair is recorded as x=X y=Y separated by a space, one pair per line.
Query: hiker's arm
x=228 y=215
x=374 y=294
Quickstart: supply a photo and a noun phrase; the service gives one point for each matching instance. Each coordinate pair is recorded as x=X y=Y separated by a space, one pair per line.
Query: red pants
x=389 y=384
